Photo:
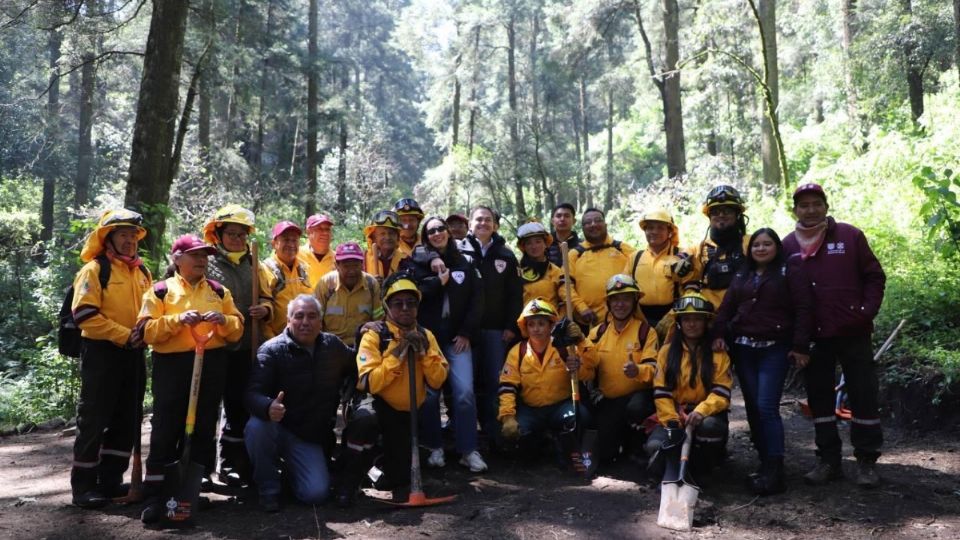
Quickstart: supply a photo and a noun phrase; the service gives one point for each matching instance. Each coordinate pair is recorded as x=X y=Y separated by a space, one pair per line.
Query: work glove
x=675 y=435
x=682 y=266
x=510 y=428
x=566 y=333
x=415 y=339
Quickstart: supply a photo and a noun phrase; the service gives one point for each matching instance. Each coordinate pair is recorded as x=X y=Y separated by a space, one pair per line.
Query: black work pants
x=372 y=419
x=112 y=382
x=233 y=451
x=171 y=393
x=709 y=446
x=855 y=356
x=620 y=423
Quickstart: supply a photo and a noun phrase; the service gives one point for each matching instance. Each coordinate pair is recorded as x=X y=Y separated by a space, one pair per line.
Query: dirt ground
x=920 y=498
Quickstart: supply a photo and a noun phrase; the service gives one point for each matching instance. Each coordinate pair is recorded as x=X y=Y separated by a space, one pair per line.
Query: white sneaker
x=474 y=462
x=436 y=458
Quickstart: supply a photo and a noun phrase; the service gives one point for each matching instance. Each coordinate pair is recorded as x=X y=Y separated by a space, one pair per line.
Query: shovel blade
x=677 y=502
x=181 y=493
x=418 y=499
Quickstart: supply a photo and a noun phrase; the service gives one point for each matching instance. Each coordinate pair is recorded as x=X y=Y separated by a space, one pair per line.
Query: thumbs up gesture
x=277 y=410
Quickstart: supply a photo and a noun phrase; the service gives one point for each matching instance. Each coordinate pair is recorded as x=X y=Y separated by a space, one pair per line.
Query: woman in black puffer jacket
x=451 y=308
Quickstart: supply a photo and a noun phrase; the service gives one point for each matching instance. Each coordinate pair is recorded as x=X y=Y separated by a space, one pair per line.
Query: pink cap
x=348 y=251
x=283 y=227
x=318 y=219
x=809 y=187
x=189 y=243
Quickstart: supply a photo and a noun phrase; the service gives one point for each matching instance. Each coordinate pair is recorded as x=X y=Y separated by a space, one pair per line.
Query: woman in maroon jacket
x=766 y=318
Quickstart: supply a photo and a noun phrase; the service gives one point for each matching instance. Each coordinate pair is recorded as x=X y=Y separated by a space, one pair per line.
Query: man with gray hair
x=293 y=397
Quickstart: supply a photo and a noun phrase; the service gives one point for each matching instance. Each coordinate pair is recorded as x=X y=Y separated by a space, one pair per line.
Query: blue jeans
x=493 y=353
x=464 y=405
x=266 y=442
x=762 y=372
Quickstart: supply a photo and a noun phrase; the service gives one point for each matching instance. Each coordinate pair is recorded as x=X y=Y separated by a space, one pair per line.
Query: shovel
x=417 y=496
x=182 y=478
x=678 y=496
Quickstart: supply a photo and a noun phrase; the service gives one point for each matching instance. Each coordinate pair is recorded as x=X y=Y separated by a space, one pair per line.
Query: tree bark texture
x=914 y=72
x=768 y=145
x=513 y=119
x=672 y=108
x=848 y=10
x=342 y=162
x=608 y=196
x=52 y=136
x=313 y=58
x=587 y=196
x=88 y=82
x=148 y=185
x=956 y=33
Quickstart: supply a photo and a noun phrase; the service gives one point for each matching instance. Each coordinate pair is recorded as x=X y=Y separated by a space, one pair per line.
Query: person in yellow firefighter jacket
x=318 y=254
x=285 y=274
x=692 y=387
x=383 y=252
x=410 y=215
x=107 y=294
x=652 y=267
x=535 y=381
x=620 y=355
x=382 y=410
x=184 y=299
x=541 y=278
x=592 y=263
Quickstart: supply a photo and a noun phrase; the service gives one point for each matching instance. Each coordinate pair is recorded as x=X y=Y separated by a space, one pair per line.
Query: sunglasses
x=722 y=211
x=401 y=305
x=436 y=230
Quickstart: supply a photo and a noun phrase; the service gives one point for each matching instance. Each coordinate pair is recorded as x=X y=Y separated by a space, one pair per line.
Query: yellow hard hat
x=398 y=282
x=723 y=195
x=661 y=215
x=108 y=221
x=691 y=303
x=538 y=307
x=530 y=230
x=231 y=213
x=384 y=218
x=622 y=284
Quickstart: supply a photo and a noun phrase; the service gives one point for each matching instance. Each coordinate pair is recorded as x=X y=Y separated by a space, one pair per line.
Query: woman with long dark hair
x=692 y=386
x=451 y=308
x=765 y=320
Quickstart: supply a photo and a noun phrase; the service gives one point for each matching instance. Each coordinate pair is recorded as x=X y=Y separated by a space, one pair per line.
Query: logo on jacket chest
x=459 y=276
x=500 y=265
x=836 y=248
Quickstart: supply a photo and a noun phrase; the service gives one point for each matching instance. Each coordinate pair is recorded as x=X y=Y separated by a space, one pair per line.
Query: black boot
x=771 y=480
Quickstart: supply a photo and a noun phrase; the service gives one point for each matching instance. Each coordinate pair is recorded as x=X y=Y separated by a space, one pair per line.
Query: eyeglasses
x=238 y=235
x=401 y=305
x=595 y=221
x=436 y=230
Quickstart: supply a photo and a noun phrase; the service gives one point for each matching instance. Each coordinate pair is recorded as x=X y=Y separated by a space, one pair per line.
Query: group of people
x=653 y=338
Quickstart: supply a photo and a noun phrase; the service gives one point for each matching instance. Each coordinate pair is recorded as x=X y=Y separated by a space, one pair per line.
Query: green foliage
x=941 y=209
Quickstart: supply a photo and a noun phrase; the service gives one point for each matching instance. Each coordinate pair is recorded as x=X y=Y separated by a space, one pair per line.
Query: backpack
x=160 y=289
x=615 y=245
x=69 y=341
x=281 y=279
x=636 y=262
x=371 y=283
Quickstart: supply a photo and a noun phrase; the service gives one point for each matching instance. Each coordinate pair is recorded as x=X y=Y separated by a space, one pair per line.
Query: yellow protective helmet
x=384 y=218
x=692 y=303
x=108 y=221
x=723 y=195
x=398 y=282
x=622 y=284
x=661 y=215
x=231 y=213
x=530 y=230
x=538 y=307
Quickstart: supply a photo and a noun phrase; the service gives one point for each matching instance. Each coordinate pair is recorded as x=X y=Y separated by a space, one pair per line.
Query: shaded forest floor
x=919 y=498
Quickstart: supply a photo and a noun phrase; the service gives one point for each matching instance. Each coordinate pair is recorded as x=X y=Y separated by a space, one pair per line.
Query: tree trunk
x=471 y=123
x=672 y=108
x=148 y=185
x=265 y=73
x=913 y=72
x=768 y=144
x=88 y=74
x=587 y=199
x=233 y=106
x=52 y=138
x=956 y=33
x=581 y=196
x=205 y=86
x=456 y=109
x=342 y=162
x=848 y=9
x=313 y=58
x=514 y=134
x=608 y=196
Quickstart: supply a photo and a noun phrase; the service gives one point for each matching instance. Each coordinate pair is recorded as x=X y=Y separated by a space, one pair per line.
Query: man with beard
x=592 y=263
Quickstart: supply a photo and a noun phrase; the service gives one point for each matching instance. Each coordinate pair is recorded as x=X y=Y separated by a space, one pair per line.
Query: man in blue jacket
x=293 y=397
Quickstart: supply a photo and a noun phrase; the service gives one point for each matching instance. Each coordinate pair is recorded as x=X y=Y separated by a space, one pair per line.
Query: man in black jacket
x=503 y=301
x=563 y=219
x=293 y=398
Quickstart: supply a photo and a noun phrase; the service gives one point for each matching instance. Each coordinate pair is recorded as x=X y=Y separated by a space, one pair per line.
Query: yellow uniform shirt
x=406 y=248
x=111 y=313
x=547 y=287
x=699 y=256
x=344 y=310
x=708 y=402
x=590 y=272
x=386 y=375
x=606 y=356
x=166 y=334
x=295 y=283
x=374 y=267
x=539 y=383
x=316 y=269
x=654 y=275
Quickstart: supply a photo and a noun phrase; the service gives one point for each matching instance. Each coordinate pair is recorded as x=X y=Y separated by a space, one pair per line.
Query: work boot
x=867 y=476
x=90 y=500
x=152 y=511
x=770 y=481
x=823 y=472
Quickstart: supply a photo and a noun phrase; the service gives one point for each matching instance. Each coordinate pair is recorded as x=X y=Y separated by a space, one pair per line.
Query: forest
x=177 y=107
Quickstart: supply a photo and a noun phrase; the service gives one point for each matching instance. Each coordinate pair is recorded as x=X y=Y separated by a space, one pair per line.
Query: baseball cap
x=283 y=227
x=348 y=251
x=318 y=219
x=189 y=243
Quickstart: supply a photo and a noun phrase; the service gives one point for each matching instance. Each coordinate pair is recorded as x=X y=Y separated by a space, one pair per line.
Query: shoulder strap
x=601 y=329
x=642 y=333
x=278 y=274
x=160 y=289
x=636 y=262
x=579 y=249
x=371 y=285
x=616 y=245
x=385 y=338
x=523 y=352
x=217 y=287
x=104 y=274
